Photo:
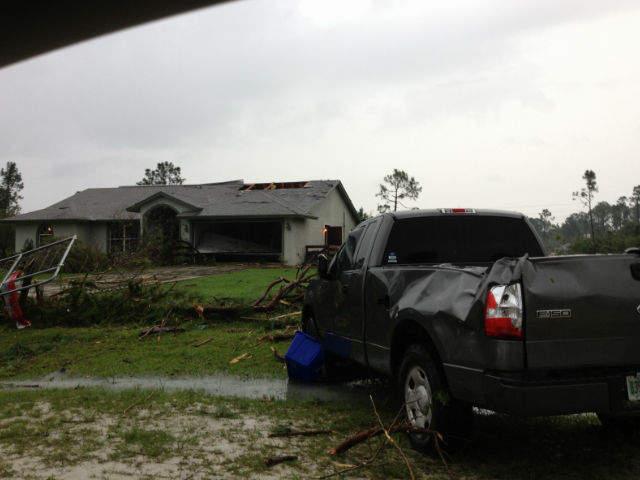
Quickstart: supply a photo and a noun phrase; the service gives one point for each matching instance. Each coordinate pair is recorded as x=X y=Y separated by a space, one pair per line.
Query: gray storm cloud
x=459 y=95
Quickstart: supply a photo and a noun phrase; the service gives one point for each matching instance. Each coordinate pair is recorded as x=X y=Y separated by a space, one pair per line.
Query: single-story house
x=277 y=220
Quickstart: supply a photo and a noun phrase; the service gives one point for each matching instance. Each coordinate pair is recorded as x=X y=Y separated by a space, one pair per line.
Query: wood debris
x=277 y=356
x=203 y=342
x=290 y=291
x=159 y=330
x=239 y=358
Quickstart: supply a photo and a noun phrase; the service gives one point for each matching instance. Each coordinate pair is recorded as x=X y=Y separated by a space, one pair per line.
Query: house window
x=332 y=235
x=123 y=237
x=45 y=234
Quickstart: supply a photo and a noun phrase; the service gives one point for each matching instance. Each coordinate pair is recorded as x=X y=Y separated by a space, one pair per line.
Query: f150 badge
x=555 y=313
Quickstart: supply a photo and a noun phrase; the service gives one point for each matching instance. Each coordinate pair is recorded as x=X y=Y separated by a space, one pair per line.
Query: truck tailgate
x=582 y=311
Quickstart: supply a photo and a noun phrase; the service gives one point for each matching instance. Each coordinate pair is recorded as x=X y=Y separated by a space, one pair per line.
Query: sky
x=489 y=104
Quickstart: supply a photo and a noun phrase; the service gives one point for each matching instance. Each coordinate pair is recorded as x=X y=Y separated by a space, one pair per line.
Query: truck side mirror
x=323 y=266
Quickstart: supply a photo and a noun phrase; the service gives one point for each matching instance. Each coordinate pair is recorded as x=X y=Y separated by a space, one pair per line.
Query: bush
x=85 y=258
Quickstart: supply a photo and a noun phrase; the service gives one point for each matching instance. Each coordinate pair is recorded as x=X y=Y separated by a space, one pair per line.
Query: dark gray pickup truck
x=466 y=303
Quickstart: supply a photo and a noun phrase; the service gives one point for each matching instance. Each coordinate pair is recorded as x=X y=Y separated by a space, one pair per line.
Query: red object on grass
x=12 y=302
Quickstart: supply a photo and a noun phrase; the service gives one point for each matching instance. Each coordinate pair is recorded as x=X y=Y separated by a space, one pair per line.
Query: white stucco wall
x=94 y=233
x=24 y=232
x=97 y=236
x=332 y=211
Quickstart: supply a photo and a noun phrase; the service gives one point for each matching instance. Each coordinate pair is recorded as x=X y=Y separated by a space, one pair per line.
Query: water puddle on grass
x=219 y=385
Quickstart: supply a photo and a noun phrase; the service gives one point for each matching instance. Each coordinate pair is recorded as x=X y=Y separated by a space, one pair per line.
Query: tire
x=427 y=402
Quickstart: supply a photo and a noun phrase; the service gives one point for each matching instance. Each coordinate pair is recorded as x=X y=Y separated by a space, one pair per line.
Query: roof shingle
x=212 y=200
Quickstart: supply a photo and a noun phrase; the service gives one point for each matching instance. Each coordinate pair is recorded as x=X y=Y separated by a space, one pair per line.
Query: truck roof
x=439 y=211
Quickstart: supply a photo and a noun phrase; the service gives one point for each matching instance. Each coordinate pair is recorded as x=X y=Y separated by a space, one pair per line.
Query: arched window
x=45 y=234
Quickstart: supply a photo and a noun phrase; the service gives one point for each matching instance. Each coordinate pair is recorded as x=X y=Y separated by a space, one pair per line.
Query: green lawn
x=117 y=351
x=242 y=287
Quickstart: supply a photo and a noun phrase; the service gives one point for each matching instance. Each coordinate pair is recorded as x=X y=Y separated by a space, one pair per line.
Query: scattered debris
x=203 y=342
x=277 y=356
x=159 y=330
x=239 y=358
x=290 y=292
x=283 y=320
x=286 y=334
x=392 y=441
x=271 y=461
x=139 y=402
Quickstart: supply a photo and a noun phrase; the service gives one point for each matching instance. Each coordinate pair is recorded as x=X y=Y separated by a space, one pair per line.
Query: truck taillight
x=503 y=312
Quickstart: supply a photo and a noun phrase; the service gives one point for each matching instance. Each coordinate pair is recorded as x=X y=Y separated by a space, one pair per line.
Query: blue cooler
x=304 y=358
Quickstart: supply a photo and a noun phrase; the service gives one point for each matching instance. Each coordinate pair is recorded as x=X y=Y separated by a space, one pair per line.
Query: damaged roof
x=213 y=200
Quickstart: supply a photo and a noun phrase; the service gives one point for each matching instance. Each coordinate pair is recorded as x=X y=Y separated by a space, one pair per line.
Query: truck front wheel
x=427 y=403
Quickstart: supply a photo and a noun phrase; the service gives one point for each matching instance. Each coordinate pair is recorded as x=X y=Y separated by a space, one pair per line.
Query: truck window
x=366 y=243
x=464 y=240
x=345 y=258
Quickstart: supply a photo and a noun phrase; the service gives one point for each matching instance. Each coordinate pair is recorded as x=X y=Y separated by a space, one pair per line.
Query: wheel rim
x=417 y=397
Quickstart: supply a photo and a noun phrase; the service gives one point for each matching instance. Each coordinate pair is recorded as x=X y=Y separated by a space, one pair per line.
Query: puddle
x=218 y=385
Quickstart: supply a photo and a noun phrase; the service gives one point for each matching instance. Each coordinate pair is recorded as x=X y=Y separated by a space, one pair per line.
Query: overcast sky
x=494 y=104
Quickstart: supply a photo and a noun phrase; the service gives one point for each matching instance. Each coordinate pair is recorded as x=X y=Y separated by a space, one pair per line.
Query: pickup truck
x=463 y=308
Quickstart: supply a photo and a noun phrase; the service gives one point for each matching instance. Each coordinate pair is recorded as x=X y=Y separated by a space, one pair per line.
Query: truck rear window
x=466 y=240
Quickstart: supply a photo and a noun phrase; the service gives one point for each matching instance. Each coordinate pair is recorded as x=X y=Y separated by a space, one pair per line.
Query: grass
x=117 y=351
x=188 y=433
x=150 y=443
x=108 y=351
x=243 y=287
x=66 y=427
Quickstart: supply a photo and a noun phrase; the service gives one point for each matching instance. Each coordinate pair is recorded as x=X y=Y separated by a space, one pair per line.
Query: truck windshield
x=467 y=240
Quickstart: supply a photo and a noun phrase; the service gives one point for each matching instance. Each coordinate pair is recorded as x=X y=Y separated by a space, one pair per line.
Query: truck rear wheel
x=427 y=403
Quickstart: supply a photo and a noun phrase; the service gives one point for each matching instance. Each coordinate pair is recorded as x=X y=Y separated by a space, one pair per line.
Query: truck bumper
x=524 y=395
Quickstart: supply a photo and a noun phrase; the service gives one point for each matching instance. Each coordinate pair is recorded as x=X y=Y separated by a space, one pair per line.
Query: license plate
x=633 y=387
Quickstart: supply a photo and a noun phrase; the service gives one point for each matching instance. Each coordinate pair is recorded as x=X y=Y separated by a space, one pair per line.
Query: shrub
x=85 y=258
x=82 y=303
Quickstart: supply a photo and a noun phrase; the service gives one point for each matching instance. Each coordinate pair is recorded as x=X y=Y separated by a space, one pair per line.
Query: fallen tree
x=289 y=293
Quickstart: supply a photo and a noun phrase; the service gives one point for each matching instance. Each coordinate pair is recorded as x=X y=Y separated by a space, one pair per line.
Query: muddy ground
x=90 y=432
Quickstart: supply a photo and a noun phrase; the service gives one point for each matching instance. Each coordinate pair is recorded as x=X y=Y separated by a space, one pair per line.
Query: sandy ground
x=202 y=446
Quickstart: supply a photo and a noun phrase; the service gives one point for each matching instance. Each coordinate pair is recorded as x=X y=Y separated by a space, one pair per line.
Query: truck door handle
x=384 y=301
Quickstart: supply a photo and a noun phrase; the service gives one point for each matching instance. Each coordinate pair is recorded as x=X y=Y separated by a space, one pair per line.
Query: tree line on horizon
x=602 y=228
